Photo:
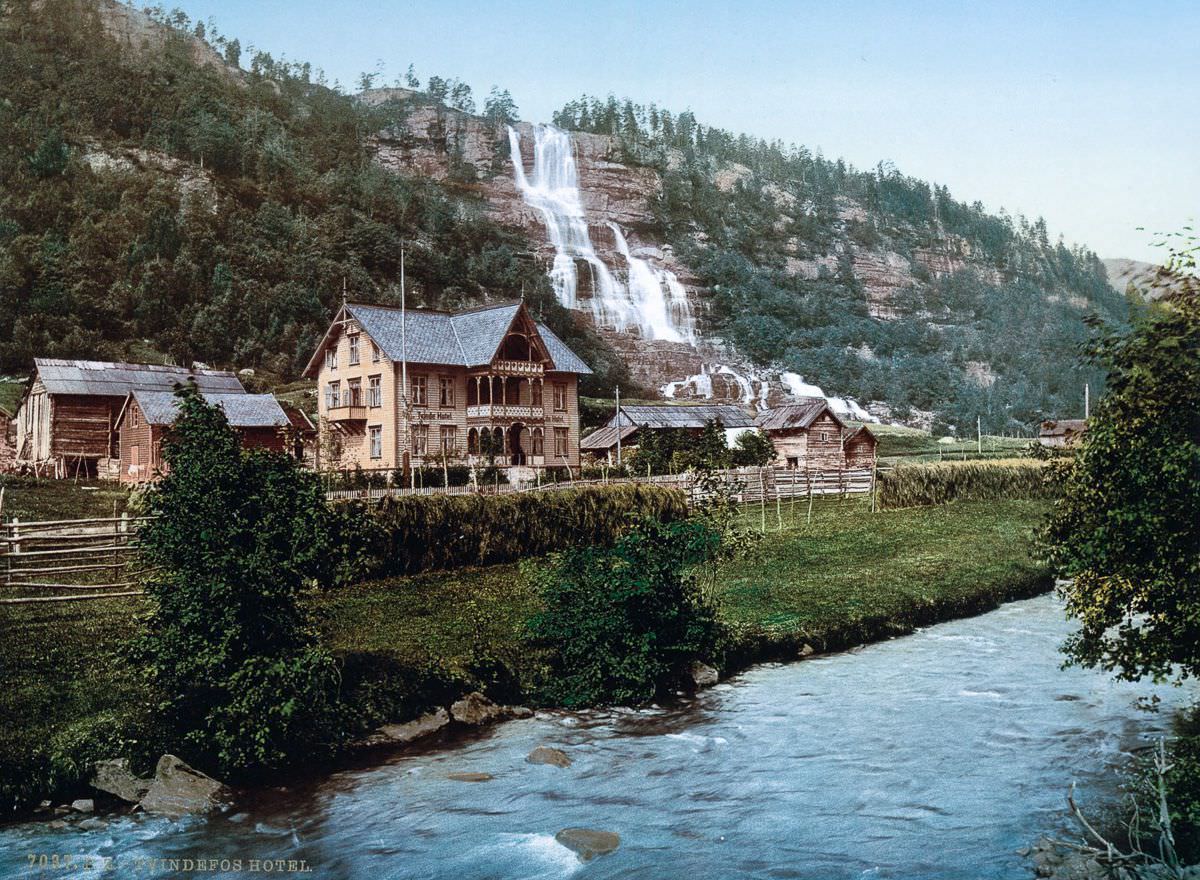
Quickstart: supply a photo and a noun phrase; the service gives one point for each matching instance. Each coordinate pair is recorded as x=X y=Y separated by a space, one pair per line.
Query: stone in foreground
x=180 y=790
x=114 y=777
x=470 y=777
x=92 y=824
x=475 y=709
x=548 y=755
x=704 y=675
x=588 y=843
x=402 y=734
x=83 y=805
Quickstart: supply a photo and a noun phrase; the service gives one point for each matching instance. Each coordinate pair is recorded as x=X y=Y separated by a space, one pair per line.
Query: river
x=936 y=755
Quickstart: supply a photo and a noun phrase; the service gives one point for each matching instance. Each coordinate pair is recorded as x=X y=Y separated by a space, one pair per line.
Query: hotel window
x=449 y=438
x=374 y=391
x=374 y=353
x=539 y=441
x=354 y=349
x=560 y=442
x=420 y=439
x=333 y=395
x=560 y=397
x=331 y=357
x=535 y=394
x=445 y=392
x=420 y=387
x=376 y=434
x=354 y=392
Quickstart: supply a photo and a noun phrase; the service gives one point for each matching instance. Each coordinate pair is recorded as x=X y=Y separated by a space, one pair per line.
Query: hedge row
x=912 y=485
x=419 y=533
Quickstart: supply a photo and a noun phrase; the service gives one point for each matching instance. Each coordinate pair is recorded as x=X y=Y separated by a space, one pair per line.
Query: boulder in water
x=704 y=675
x=475 y=709
x=401 y=734
x=92 y=824
x=114 y=777
x=180 y=790
x=470 y=777
x=587 y=843
x=83 y=805
x=547 y=755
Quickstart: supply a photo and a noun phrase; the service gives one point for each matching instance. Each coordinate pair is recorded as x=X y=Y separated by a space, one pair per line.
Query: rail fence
x=69 y=559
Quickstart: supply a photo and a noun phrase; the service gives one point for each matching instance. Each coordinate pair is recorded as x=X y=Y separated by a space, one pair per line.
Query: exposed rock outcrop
x=403 y=734
x=180 y=790
x=703 y=675
x=114 y=777
x=475 y=709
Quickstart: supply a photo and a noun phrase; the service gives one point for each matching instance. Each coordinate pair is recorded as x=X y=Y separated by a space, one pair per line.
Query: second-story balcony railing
x=505 y=411
x=347 y=413
x=518 y=368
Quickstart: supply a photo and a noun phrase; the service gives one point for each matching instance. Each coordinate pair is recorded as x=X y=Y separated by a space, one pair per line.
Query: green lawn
x=41 y=499
x=850 y=576
x=897 y=442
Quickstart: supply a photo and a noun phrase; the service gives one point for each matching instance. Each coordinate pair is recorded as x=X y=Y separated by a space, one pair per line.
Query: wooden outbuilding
x=631 y=421
x=67 y=421
x=807 y=434
x=860 y=446
x=1061 y=433
x=147 y=416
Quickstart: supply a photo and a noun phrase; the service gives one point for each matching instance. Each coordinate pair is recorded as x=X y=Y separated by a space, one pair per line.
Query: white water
x=650 y=300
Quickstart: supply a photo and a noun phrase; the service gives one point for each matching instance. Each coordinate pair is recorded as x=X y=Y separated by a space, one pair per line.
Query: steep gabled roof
x=859 y=433
x=606 y=437
x=242 y=410
x=801 y=415
x=110 y=379
x=672 y=416
x=469 y=338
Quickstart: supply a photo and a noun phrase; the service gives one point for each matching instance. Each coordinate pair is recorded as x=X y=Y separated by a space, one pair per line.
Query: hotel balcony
x=517 y=368
x=342 y=414
x=505 y=411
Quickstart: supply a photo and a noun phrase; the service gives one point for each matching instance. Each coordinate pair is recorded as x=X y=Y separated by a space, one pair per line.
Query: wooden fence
x=752 y=485
x=68 y=559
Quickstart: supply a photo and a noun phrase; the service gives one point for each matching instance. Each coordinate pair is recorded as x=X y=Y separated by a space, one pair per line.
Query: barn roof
x=671 y=416
x=606 y=437
x=859 y=433
x=1062 y=427
x=464 y=339
x=242 y=410
x=111 y=379
x=795 y=415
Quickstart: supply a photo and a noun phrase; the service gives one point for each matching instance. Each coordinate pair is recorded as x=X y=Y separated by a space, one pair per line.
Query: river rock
x=401 y=734
x=548 y=755
x=114 y=777
x=56 y=824
x=704 y=675
x=806 y=650
x=588 y=843
x=518 y=711
x=475 y=709
x=92 y=824
x=180 y=790
x=83 y=805
x=470 y=777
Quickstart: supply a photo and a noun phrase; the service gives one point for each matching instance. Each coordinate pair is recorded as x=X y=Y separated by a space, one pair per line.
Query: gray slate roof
x=118 y=379
x=794 y=415
x=669 y=416
x=606 y=437
x=463 y=339
x=242 y=410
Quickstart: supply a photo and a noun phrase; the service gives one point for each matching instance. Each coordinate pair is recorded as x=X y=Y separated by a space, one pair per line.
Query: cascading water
x=652 y=301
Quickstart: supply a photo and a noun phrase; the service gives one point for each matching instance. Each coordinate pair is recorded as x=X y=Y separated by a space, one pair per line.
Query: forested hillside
x=980 y=314
x=153 y=204
x=181 y=201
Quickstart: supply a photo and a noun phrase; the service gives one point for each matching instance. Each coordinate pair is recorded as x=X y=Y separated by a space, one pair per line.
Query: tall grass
x=441 y=532
x=916 y=485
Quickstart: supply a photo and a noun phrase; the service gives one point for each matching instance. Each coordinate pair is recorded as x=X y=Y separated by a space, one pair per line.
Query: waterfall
x=651 y=300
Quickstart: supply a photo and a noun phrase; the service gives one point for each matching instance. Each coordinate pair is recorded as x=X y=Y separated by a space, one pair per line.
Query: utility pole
x=407 y=459
x=979 y=433
x=1087 y=400
x=618 y=426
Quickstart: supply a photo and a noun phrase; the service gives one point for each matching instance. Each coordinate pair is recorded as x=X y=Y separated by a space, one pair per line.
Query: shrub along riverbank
x=408 y=643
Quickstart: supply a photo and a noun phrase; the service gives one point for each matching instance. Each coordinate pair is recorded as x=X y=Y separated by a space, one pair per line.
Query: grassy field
x=849 y=576
x=10 y=395
x=898 y=443
x=29 y=498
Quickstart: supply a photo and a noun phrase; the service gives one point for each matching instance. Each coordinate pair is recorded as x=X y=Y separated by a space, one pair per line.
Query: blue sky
x=1084 y=113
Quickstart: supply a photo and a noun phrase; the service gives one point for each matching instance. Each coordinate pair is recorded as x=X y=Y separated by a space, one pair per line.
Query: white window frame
x=375 y=391
x=445 y=391
x=560 y=396
x=333 y=394
x=419 y=390
x=375 y=435
x=353 y=341
x=331 y=357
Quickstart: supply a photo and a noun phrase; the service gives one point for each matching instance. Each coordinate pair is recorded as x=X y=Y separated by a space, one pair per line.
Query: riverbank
x=848 y=577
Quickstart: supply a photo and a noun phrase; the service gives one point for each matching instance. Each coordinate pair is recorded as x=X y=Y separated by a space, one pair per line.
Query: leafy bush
x=625 y=622
x=237 y=538
x=436 y=531
x=913 y=485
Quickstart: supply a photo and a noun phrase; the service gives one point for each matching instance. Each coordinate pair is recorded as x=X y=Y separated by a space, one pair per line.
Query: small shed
x=629 y=421
x=147 y=416
x=1061 y=433
x=806 y=434
x=860 y=446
